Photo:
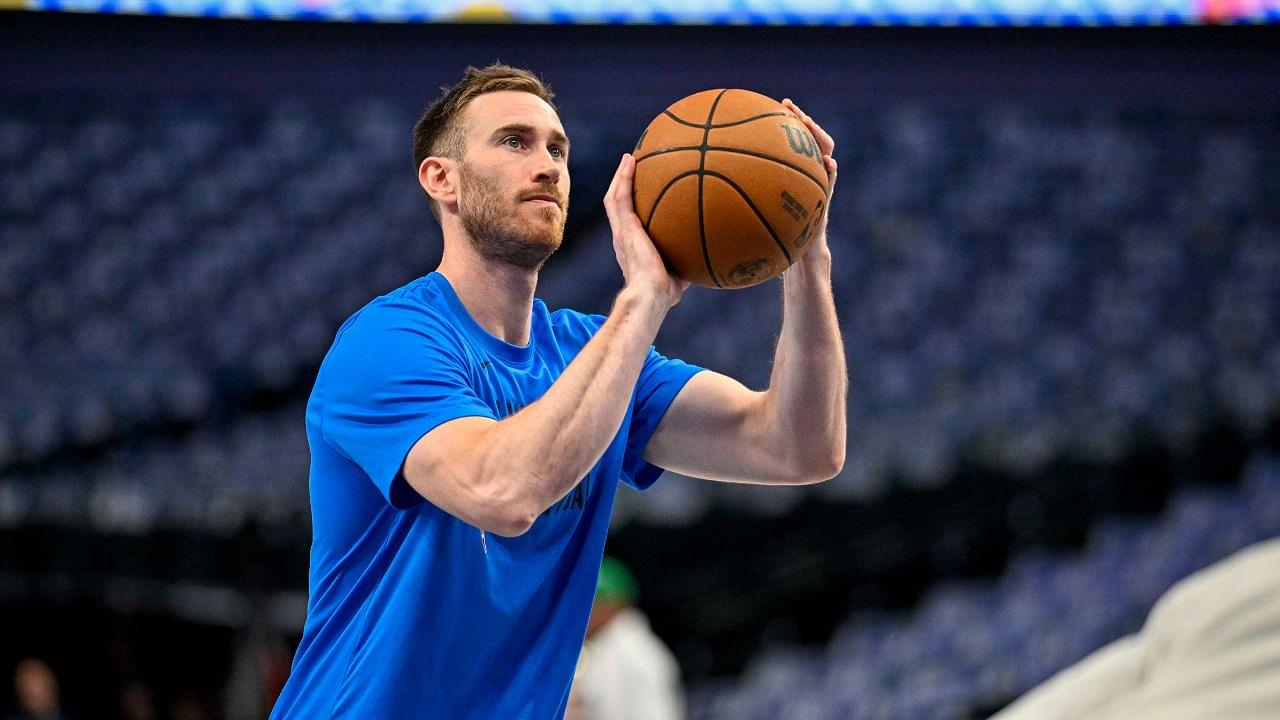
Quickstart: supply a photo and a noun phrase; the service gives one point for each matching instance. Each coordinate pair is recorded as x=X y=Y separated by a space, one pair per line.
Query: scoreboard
x=755 y=12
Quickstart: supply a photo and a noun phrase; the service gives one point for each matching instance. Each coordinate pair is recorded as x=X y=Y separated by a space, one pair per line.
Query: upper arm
x=390 y=383
x=717 y=429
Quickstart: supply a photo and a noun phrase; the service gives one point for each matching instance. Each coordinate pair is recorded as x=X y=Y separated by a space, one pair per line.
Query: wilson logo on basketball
x=799 y=140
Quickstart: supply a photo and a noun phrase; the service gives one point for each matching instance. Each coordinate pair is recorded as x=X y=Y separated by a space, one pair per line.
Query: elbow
x=505 y=511
x=511 y=524
x=508 y=517
x=833 y=463
x=492 y=496
x=823 y=471
x=820 y=465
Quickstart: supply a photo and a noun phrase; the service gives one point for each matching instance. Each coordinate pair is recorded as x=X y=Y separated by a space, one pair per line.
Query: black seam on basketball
x=737 y=151
x=754 y=209
x=762 y=156
x=654 y=208
x=682 y=121
x=702 y=165
x=753 y=118
x=717 y=126
x=664 y=151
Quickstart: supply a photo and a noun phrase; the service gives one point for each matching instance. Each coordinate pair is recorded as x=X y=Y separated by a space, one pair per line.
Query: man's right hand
x=642 y=266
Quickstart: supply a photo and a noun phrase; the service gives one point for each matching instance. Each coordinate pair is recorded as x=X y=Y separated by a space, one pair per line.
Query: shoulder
x=568 y=323
x=410 y=316
x=417 y=304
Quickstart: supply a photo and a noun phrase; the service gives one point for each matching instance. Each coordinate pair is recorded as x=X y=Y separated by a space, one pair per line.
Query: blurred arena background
x=1057 y=261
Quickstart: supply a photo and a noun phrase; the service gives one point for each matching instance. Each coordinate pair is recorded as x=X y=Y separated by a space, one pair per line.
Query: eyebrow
x=523 y=129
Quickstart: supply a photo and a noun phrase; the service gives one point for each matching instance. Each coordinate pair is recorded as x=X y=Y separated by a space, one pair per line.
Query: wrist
x=816 y=260
x=641 y=300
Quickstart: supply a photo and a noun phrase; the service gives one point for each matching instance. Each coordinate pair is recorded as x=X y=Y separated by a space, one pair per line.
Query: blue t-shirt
x=413 y=613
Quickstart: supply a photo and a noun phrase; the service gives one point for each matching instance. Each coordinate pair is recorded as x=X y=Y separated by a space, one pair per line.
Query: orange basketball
x=730 y=185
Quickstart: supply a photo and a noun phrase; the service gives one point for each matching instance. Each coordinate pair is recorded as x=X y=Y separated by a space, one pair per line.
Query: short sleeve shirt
x=413 y=613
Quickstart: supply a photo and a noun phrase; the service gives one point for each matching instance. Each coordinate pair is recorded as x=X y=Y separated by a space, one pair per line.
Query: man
x=467 y=443
x=625 y=672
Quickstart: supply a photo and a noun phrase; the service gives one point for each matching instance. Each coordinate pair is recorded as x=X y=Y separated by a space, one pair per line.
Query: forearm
x=805 y=405
x=541 y=452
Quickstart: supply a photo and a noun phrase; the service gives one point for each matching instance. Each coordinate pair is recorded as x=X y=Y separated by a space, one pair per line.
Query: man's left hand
x=826 y=147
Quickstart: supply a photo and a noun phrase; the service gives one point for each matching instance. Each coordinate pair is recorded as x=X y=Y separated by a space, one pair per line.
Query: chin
x=546 y=246
x=531 y=251
x=549 y=236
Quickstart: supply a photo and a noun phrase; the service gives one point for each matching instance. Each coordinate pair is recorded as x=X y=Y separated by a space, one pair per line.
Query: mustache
x=550 y=191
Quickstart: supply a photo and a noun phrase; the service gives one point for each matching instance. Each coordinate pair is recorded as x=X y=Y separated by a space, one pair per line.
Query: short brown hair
x=439 y=131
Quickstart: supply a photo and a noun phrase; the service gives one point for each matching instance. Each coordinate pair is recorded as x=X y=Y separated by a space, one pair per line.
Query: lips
x=544 y=198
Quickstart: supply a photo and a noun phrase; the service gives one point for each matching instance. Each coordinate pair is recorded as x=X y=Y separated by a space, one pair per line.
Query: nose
x=546 y=169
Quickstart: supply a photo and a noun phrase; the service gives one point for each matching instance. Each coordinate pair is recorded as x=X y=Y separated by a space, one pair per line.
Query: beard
x=490 y=219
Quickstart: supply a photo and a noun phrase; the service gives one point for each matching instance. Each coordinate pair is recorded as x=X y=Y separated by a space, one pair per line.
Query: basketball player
x=467 y=443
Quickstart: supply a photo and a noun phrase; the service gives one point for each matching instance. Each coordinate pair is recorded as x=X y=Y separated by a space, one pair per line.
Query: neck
x=498 y=297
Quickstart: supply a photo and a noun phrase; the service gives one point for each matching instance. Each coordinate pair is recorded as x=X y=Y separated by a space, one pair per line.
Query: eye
x=557 y=151
x=513 y=142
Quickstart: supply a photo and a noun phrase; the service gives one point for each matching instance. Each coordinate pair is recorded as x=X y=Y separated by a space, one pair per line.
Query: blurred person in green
x=625 y=672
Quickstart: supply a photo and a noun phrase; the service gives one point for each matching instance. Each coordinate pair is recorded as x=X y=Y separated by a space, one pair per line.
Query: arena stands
x=1025 y=288
x=971 y=646
x=1013 y=286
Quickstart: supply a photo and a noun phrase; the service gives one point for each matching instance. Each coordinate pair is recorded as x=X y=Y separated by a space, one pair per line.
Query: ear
x=438 y=178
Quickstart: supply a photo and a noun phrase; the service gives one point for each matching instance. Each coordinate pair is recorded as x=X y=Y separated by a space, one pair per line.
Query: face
x=513 y=179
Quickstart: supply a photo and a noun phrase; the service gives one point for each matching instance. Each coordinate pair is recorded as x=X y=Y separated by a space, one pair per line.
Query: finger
x=795 y=110
x=832 y=169
x=620 y=193
x=826 y=143
x=609 y=203
x=613 y=183
x=626 y=173
x=790 y=105
x=626 y=197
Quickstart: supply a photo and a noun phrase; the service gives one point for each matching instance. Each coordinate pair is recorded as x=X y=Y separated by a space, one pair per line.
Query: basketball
x=730 y=185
